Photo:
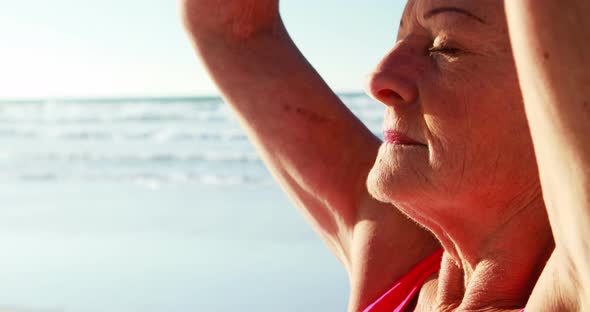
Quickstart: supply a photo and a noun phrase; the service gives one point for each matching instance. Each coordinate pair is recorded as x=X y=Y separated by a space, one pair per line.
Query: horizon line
x=129 y=98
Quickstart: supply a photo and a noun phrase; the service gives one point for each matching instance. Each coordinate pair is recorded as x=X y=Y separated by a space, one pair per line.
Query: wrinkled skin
x=450 y=82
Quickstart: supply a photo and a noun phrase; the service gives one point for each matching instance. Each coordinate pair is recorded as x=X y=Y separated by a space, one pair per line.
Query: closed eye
x=450 y=51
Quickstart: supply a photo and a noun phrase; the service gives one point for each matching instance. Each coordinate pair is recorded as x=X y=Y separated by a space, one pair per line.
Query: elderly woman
x=461 y=208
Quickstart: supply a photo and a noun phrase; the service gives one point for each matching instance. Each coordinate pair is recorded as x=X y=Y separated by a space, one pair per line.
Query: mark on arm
x=546 y=55
x=306 y=114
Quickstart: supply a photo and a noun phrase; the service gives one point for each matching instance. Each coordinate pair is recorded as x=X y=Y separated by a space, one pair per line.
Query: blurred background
x=126 y=183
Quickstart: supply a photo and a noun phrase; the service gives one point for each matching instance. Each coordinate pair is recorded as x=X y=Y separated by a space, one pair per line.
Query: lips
x=398 y=138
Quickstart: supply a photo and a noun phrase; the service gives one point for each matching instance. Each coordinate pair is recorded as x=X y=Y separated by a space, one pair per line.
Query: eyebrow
x=441 y=10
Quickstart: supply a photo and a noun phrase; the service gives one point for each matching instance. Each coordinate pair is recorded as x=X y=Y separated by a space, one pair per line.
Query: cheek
x=478 y=135
x=448 y=124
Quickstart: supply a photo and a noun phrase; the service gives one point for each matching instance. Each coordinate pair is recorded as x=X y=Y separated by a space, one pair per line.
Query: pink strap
x=402 y=293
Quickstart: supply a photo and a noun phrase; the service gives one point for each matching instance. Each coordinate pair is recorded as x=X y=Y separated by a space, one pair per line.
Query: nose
x=393 y=80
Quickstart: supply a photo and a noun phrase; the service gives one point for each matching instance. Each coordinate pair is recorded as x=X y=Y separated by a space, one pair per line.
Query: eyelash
x=444 y=50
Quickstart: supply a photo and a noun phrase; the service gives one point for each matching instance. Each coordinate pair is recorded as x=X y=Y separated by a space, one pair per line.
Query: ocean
x=154 y=204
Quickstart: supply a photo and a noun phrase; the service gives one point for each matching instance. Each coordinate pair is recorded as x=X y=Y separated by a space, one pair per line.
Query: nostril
x=388 y=94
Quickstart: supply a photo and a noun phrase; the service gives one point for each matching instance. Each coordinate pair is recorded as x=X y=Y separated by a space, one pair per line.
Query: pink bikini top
x=404 y=290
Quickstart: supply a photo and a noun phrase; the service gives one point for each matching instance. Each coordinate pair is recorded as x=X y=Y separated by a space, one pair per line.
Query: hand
x=238 y=18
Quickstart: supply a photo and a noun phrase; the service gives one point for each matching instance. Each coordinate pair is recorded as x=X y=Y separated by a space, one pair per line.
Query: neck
x=494 y=260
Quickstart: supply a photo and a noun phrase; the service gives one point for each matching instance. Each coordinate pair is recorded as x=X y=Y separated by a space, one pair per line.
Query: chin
x=399 y=174
x=378 y=184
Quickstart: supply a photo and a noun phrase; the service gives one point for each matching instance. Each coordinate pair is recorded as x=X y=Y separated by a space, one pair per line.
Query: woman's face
x=452 y=96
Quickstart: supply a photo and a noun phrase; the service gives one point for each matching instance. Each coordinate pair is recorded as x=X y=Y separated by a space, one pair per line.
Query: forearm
x=229 y=18
x=265 y=73
x=551 y=41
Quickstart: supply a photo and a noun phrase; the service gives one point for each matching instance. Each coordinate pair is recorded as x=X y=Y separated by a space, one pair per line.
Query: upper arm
x=554 y=288
x=550 y=40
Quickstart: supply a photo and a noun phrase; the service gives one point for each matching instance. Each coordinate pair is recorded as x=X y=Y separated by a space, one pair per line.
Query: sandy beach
x=116 y=248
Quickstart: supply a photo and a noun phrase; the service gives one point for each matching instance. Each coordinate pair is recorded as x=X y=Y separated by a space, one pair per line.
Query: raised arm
x=314 y=146
x=551 y=40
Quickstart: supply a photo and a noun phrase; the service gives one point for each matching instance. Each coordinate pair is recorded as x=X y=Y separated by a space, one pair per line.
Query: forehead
x=491 y=11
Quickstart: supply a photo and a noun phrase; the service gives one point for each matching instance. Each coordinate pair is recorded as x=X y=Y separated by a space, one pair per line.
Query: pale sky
x=114 y=48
